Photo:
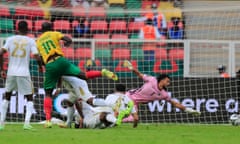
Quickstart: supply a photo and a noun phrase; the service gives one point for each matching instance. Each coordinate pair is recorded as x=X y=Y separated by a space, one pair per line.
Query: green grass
x=125 y=134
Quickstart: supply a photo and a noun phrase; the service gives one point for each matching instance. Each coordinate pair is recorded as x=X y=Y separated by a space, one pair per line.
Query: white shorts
x=22 y=84
x=77 y=88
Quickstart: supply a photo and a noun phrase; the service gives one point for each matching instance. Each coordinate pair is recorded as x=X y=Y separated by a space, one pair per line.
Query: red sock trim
x=93 y=74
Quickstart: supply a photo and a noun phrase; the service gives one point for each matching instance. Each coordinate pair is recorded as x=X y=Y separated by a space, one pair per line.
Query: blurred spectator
x=158 y=18
x=175 y=32
x=81 y=30
x=100 y=3
x=46 y=5
x=149 y=32
x=83 y=3
x=222 y=71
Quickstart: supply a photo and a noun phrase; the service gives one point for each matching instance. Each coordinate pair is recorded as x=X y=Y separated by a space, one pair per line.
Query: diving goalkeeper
x=154 y=89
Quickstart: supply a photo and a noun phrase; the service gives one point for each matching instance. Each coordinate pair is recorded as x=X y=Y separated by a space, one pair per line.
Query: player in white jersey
x=94 y=117
x=18 y=78
x=121 y=104
x=78 y=89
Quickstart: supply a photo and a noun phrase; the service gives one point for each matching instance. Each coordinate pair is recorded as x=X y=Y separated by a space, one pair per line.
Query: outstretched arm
x=183 y=108
x=129 y=65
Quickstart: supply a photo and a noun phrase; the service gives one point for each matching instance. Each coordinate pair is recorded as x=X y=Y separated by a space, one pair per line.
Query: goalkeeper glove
x=192 y=111
x=128 y=64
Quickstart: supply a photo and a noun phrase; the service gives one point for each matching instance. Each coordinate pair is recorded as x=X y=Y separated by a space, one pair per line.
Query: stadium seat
x=117 y=26
x=38 y=24
x=115 y=13
x=29 y=22
x=75 y=23
x=6 y=25
x=102 y=44
x=78 y=11
x=61 y=25
x=135 y=26
x=97 y=12
x=98 y=26
x=176 y=54
x=137 y=54
x=103 y=54
x=137 y=44
x=121 y=54
x=122 y=2
x=162 y=43
x=83 y=53
x=160 y=53
x=4 y=11
x=68 y=52
x=123 y=37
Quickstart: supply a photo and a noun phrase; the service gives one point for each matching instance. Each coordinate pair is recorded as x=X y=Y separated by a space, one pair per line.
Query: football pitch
x=124 y=134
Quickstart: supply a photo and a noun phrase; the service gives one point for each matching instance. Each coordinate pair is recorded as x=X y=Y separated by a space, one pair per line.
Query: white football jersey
x=118 y=101
x=19 y=49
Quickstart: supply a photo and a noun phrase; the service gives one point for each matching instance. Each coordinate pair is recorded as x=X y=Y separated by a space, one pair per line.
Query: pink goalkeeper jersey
x=148 y=92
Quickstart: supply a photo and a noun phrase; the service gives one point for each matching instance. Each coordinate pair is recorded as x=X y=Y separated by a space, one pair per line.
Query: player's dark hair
x=161 y=77
x=46 y=26
x=120 y=88
x=149 y=22
x=23 y=27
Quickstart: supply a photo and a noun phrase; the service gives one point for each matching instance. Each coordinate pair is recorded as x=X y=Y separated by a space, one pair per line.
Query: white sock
x=4 y=108
x=111 y=118
x=99 y=102
x=29 y=112
x=70 y=112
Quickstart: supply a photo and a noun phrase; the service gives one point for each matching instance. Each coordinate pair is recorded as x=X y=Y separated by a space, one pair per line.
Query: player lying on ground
x=48 y=44
x=78 y=89
x=153 y=89
x=121 y=104
x=117 y=102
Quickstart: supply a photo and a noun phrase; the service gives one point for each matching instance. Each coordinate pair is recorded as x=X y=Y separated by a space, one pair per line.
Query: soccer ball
x=235 y=119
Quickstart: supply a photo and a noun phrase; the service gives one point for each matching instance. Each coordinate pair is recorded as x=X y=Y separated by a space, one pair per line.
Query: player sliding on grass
x=78 y=89
x=57 y=65
x=153 y=89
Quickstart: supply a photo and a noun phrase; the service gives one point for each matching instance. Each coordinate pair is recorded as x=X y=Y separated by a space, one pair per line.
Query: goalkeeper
x=153 y=89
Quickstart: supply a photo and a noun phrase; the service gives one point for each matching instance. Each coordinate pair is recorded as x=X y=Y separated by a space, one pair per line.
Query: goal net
x=195 y=38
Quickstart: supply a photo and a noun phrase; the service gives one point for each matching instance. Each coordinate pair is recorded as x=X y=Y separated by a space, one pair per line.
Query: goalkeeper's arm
x=185 y=109
x=129 y=65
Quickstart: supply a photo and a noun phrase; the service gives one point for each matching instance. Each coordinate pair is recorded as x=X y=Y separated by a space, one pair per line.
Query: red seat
x=160 y=53
x=121 y=54
x=75 y=23
x=135 y=26
x=162 y=42
x=176 y=54
x=78 y=11
x=62 y=25
x=97 y=12
x=68 y=52
x=101 y=36
x=98 y=25
x=170 y=24
x=38 y=24
x=83 y=53
x=123 y=37
x=29 y=22
x=4 y=11
x=117 y=25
